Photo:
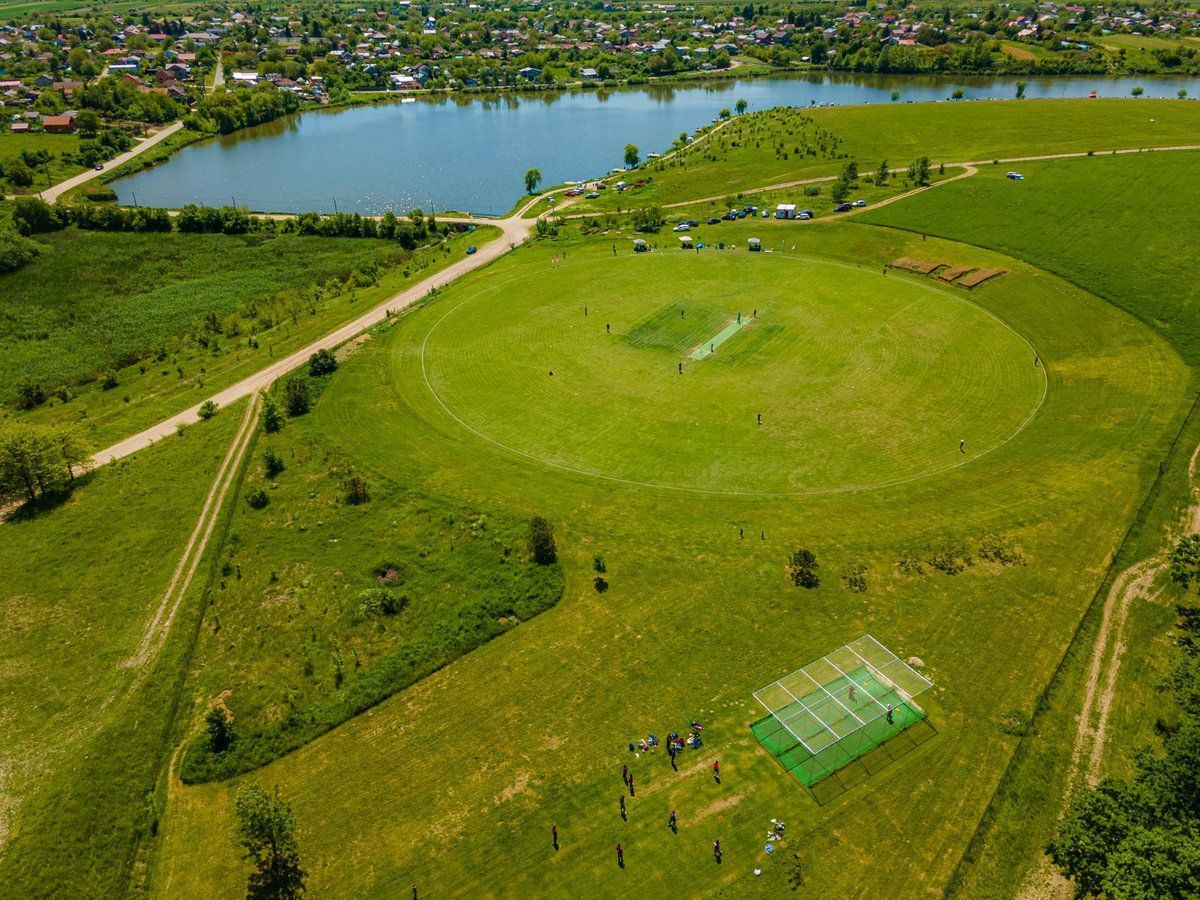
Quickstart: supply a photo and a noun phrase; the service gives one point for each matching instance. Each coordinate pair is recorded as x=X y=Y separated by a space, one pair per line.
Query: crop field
x=780 y=146
x=176 y=316
x=695 y=508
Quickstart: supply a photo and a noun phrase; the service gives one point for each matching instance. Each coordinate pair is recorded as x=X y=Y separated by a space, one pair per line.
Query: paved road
x=51 y=194
x=515 y=230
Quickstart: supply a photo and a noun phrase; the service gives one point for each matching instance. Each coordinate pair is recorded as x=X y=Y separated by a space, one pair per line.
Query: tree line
x=34 y=216
x=38 y=461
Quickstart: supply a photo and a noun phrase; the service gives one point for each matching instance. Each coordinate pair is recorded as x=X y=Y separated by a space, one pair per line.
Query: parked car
x=682 y=226
x=470 y=250
x=729 y=216
x=591 y=195
x=859 y=203
x=574 y=192
x=100 y=168
x=713 y=220
x=842 y=207
x=804 y=214
x=691 y=222
x=1015 y=176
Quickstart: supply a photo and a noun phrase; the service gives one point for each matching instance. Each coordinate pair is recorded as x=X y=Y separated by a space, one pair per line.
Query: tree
x=88 y=122
x=39 y=460
x=918 y=170
x=1182 y=93
x=724 y=113
x=272 y=462
x=647 y=218
x=631 y=156
x=895 y=96
x=802 y=566
x=1021 y=85
x=266 y=830
x=15 y=251
x=957 y=94
x=323 y=362
x=882 y=174
x=207 y=410
x=1185 y=561
x=272 y=418
x=840 y=190
x=541 y=541
x=218 y=722
x=532 y=179
x=296 y=398
x=1138 y=91
x=30 y=215
x=741 y=106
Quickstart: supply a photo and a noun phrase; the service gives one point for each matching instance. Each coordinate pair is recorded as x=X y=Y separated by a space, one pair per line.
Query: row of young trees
x=225 y=111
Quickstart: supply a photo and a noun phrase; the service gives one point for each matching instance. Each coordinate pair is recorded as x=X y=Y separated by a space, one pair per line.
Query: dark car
x=729 y=216
x=691 y=222
x=842 y=207
x=713 y=220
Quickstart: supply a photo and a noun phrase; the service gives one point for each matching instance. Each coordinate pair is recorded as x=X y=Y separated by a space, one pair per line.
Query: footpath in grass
x=84 y=734
x=779 y=146
x=691 y=583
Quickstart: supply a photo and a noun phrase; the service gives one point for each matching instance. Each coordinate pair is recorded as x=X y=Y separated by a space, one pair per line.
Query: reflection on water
x=469 y=152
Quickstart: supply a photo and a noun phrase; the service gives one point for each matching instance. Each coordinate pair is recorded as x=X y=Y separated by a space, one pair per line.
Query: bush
x=1185 y=561
x=802 y=566
x=296 y=397
x=257 y=498
x=541 y=541
x=272 y=418
x=855 y=578
x=31 y=215
x=356 y=490
x=218 y=722
x=15 y=250
x=951 y=557
x=272 y=462
x=108 y=380
x=207 y=410
x=321 y=363
x=30 y=394
x=374 y=602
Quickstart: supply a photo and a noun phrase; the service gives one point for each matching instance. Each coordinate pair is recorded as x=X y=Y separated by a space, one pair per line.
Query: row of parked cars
x=752 y=211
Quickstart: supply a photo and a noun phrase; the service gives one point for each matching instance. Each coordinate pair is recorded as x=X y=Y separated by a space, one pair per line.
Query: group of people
x=675 y=745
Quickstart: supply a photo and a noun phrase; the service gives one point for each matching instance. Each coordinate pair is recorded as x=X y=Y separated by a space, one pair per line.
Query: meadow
x=769 y=148
x=698 y=611
x=55 y=171
x=174 y=317
x=85 y=734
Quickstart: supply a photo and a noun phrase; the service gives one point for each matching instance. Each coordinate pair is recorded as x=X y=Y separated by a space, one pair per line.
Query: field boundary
x=1079 y=644
x=934 y=287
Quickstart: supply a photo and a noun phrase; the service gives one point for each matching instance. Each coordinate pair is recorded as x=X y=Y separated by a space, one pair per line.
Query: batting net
x=838 y=708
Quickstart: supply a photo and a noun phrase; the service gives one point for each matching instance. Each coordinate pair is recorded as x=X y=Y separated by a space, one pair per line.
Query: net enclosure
x=840 y=707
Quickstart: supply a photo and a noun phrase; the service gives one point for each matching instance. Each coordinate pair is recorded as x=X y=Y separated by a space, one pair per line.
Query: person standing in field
x=717 y=771
x=620 y=856
x=889 y=715
x=554 y=835
x=853 y=698
x=621 y=803
x=962 y=446
x=671 y=823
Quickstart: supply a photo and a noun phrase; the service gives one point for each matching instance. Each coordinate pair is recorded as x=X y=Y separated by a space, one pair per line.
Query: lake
x=469 y=153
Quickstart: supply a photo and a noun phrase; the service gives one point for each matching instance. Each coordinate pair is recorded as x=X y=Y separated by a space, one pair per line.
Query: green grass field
x=1133 y=246
x=85 y=735
x=945 y=132
x=502 y=700
x=130 y=295
x=695 y=618
x=55 y=171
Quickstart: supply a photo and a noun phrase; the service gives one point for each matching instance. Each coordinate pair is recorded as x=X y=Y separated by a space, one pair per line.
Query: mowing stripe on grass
x=710 y=346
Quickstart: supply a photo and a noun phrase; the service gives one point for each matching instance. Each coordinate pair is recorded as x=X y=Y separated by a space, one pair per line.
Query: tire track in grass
x=160 y=626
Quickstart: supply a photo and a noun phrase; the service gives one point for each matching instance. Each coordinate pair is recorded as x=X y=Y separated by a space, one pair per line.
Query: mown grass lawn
x=127 y=295
x=900 y=132
x=1120 y=226
x=454 y=784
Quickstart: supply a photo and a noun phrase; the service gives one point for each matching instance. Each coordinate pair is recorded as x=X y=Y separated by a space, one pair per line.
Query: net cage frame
x=837 y=708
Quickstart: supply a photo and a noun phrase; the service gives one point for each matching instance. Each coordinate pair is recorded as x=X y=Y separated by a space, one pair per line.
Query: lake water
x=470 y=154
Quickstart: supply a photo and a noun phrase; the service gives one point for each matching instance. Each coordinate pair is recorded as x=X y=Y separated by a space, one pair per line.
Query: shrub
x=1185 y=561
x=541 y=541
x=218 y=722
x=855 y=578
x=296 y=397
x=802 y=566
x=30 y=394
x=30 y=215
x=272 y=462
x=257 y=498
x=207 y=410
x=951 y=557
x=356 y=490
x=272 y=418
x=108 y=380
x=374 y=602
x=598 y=564
x=994 y=548
x=322 y=362
x=15 y=250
